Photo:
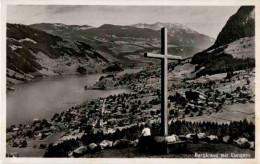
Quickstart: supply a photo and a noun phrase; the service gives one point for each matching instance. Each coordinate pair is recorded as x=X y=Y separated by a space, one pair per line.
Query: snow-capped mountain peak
x=171 y=27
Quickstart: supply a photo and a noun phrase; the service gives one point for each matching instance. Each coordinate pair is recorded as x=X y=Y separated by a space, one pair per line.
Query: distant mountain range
x=180 y=34
x=234 y=48
x=126 y=42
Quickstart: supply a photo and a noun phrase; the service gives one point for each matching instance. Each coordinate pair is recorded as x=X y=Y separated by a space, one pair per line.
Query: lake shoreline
x=106 y=88
x=65 y=103
x=15 y=86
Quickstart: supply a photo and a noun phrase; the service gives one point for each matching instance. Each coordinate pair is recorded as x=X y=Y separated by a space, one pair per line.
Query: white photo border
x=5 y=3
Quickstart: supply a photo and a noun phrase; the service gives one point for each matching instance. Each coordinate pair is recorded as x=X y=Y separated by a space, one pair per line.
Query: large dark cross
x=164 y=70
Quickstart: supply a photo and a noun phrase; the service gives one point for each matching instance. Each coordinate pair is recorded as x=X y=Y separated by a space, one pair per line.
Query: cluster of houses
x=125 y=110
x=206 y=97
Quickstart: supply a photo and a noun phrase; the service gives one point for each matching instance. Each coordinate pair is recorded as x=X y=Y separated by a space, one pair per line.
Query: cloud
x=54 y=9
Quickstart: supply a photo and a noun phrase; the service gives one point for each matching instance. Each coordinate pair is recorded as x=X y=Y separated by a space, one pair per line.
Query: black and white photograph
x=129 y=81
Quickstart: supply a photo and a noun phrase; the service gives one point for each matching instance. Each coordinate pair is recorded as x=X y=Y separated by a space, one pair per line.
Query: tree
x=29 y=133
x=238 y=89
x=115 y=110
x=195 y=109
x=190 y=95
x=88 y=129
x=200 y=113
x=248 y=81
x=176 y=114
x=152 y=112
x=169 y=105
x=58 y=119
x=229 y=75
x=81 y=70
x=171 y=112
x=218 y=108
x=187 y=110
x=158 y=93
x=24 y=143
x=54 y=116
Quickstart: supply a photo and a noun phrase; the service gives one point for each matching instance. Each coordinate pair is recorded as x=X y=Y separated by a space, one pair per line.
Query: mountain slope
x=126 y=44
x=32 y=53
x=234 y=48
x=180 y=34
x=240 y=25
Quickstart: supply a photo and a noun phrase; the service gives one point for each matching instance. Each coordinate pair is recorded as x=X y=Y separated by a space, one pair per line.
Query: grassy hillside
x=33 y=53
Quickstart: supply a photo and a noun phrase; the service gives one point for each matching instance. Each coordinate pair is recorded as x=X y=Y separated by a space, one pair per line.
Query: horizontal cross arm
x=174 y=57
x=160 y=56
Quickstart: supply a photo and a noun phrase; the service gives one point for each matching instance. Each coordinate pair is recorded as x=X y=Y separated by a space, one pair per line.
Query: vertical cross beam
x=164 y=87
x=164 y=70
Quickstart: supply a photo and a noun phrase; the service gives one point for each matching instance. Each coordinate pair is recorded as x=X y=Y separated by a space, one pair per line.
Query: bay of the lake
x=43 y=98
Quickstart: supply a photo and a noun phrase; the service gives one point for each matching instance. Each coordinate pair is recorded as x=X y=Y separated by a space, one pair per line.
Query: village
x=187 y=100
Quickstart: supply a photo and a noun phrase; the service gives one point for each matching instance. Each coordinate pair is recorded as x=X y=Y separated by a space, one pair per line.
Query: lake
x=41 y=99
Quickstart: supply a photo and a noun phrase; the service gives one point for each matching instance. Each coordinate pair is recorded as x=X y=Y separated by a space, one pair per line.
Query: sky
x=207 y=20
